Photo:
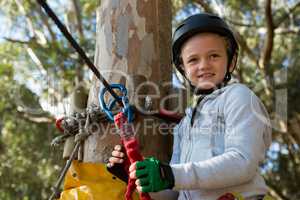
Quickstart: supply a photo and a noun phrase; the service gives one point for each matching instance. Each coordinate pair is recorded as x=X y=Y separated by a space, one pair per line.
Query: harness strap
x=131 y=146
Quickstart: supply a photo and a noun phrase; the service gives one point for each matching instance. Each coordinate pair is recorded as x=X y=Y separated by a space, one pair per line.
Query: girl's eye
x=213 y=56
x=192 y=60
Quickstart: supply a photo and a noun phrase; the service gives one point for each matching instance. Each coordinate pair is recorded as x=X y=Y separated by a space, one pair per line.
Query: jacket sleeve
x=247 y=136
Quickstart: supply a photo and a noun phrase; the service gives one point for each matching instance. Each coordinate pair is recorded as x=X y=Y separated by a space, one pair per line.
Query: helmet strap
x=199 y=91
x=227 y=77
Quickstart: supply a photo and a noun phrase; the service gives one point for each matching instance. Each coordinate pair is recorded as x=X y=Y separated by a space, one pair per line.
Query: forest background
x=38 y=71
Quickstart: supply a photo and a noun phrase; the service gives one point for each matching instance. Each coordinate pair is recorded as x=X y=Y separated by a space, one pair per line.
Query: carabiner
x=107 y=108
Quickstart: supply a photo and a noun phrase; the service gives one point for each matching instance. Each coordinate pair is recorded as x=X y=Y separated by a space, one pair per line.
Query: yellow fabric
x=91 y=181
x=238 y=196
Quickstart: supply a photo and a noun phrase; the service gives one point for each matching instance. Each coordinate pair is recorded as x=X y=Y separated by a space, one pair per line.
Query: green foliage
x=36 y=57
x=24 y=146
x=28 y=167
x=284 y=174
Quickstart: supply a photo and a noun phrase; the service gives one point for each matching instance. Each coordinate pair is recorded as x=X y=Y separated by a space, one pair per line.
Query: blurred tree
x=38 y=70
x=24 y=142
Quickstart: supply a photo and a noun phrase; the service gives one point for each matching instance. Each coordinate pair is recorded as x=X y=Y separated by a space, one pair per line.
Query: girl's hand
x=117 y=156
x=151 y=175
x=116 y=163
x=132 y=175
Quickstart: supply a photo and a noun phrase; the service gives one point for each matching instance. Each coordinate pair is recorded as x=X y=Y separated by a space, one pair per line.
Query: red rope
x=132 y=150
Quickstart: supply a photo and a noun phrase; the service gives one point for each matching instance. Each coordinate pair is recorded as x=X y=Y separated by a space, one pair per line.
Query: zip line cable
x=79 y=50
x=160 y=114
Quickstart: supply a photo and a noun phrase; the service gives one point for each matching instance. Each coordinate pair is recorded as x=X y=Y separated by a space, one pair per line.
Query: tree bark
x=133 y=48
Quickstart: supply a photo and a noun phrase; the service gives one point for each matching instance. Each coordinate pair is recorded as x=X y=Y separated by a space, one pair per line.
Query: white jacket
x=222 y=151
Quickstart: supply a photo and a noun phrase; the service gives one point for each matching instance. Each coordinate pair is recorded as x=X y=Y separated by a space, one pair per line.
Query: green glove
x=154 y=176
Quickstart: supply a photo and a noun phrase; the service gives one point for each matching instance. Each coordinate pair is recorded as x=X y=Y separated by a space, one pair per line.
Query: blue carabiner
x=127 y=109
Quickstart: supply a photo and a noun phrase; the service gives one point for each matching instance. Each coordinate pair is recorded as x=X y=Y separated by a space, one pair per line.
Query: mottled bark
x=133 y=48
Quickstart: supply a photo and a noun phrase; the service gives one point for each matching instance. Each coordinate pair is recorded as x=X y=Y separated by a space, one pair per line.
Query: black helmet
x=198 y=23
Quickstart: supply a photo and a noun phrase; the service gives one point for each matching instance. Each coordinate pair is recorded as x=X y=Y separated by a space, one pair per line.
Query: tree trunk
x=133 y=48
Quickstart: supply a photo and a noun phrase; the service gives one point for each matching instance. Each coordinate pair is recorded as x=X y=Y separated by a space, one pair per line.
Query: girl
x=221 y=141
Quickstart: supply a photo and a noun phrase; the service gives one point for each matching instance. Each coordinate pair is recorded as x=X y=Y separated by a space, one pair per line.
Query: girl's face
x=204 y=59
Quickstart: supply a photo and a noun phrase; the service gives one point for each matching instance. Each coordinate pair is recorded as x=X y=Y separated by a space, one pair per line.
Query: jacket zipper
x=187 y=195
x=189 y=152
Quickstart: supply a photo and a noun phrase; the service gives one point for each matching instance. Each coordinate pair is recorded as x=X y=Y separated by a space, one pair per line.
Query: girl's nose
x=203 y=64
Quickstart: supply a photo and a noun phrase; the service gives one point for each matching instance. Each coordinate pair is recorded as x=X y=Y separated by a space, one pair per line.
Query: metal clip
x=108 y=108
